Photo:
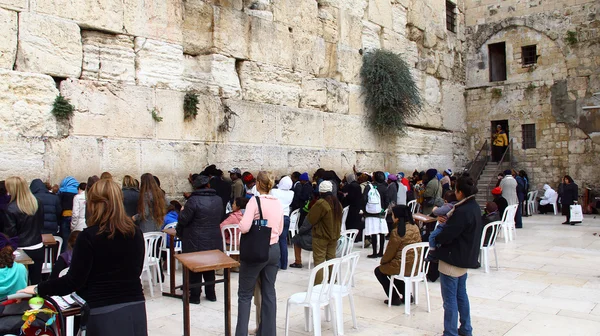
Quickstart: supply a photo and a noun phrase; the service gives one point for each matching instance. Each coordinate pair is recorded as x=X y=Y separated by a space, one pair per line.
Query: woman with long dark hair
x=569 y=197
x=107 y=262
x=151 y=205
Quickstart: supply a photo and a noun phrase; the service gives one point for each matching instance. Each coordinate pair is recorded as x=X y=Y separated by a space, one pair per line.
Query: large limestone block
x=159 y=64
x=356 y=100
x=122 y=157
x=270 y=84
x=309 y=53
x=158 y=158
x=212 y=73
x=18 y=5
x=253 y=122
x=108 y=57
x=270 y=42
x=191 y=157
x=157 y=19
x=351 y=29
x=399 y=19
x=297 y=14
x=454 y=111
x=301 y=127
x=25 y=104
x=96 y=14
x=349 y=132
x=303 y=159
x=370 y=161
x=314 y=93
x=244 y=156
x=380 y=12
x=232 y=33
x=49 y=45
x=106 y=109
x=371 y=36
x=8 y=38
x=174 y=127
x=399 y=44
x=329 y=18
x=349 y=62
x=75 y=156
x=22 y=157
x=197 y=27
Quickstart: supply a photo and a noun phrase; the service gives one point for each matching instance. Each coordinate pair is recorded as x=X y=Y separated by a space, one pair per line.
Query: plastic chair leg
x=352 y=310
x=407 y=289
x=416 y=292
x=485 y=260
x=390 y=291
x=316 y=320
x=307 y=319
x=168 y=262
x=287 y=318
x=427 y=295
x=496 y=256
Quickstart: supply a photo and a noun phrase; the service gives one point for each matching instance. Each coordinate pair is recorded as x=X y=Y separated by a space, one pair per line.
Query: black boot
x=382 y=242
x=374 y=245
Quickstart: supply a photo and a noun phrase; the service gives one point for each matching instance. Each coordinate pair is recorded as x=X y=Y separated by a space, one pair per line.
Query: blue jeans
x=283 y=260
x=456 y=302
x=434 y=234
x=65 y=232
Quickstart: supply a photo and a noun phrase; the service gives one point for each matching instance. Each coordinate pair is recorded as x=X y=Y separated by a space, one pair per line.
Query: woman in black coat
x=354 y=201
x=570 y=193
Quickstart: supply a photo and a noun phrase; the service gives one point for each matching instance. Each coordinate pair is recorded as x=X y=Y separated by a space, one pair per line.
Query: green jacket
x=322 y=220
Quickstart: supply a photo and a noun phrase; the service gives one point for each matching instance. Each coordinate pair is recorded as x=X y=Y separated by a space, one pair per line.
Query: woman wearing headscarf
x=353 y=200
x=285 y=196
x=67 y=191
x=569 y=197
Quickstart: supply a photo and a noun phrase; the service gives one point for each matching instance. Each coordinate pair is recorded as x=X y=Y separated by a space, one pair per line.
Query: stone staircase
x=490 y=171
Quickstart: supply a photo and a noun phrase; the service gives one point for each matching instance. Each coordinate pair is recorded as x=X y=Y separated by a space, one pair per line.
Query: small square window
x=529 y=55
x=451 y=16
x=528 y=136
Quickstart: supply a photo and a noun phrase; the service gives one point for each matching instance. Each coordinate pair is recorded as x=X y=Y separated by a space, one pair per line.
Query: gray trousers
x=249 y=273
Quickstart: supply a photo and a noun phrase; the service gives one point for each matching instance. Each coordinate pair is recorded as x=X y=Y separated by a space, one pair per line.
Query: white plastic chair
x=60 y=242
x=343 y=288
x=508 y=222
x=152 y=258
x=417 y=274
x=235 y=234
x=294 y=218
x=166 y=250
x=314 y=299
x=414 y=206
x=350 y=237
x=344 y=217
x=531 y=202
x=555 y=204
x=494 y=229
x=63 y=272
x=48 y=262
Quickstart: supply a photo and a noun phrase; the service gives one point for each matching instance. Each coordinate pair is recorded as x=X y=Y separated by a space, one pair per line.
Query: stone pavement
x=548 y=284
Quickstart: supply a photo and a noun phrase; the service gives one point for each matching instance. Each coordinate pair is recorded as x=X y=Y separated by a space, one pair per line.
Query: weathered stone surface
x=348 y=132
x=329 y=18
x=301 y=126
x=197 y=27
x=259 y=122
x=106 y=109
x=25 y=104
x=108 y=57
x=314 y=93
x=156 y=19
x=18 y=5
x=399 y=18
x=122 y=157
x=8 y=38
x=22 y=157
x=337 y=96
x=97 y=14
x=49 y=45
x=159 y=64
x=270 y=84
x=75 y=156
x=453 y=106
x=356 y=105
x=277 y=37
x=400 y=44
x=232 y=33
x=309 y=53
x=349 y=62
x=351 y=30
x=380 y=12
x=370 y=36
x=212 y=73
x=297 y=14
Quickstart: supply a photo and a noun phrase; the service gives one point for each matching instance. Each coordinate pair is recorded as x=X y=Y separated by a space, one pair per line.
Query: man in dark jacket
x=460 y=241
x=302 y=192
x=51 y=204
x=198 y=228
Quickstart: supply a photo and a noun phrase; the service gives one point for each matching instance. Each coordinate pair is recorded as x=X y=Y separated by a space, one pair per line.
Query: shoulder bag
x=255 y=244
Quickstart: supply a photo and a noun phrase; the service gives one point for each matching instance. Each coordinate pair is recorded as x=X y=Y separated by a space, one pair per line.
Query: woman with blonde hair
x=152 y=206
x=266 y=272
x=25 y=220
x=107 y=262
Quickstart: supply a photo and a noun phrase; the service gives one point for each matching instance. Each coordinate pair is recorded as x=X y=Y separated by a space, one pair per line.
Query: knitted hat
x=497 y=191
x=235 y=171
x=491 y=207
x=392 y=177
x=325 y=187
x=401 y=175
x=304 y=177
x=248 y=178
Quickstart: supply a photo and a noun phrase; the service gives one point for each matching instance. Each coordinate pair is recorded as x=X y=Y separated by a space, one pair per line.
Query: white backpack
x=373 y=201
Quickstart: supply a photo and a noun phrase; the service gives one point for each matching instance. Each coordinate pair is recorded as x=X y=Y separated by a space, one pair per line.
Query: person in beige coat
x=406 y=233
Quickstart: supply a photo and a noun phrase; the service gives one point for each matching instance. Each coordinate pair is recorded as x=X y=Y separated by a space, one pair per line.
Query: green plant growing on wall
x=496 y=93
x=571 y=37
x=391 y=94
x=155 y=115
x=530 y=88
x=190 y=106
x=62 y=108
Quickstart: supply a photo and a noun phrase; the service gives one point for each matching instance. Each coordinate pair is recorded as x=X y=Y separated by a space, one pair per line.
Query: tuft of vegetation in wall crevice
x=190 y=106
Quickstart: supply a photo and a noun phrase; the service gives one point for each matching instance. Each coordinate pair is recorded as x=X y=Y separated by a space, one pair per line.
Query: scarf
x=69 y=185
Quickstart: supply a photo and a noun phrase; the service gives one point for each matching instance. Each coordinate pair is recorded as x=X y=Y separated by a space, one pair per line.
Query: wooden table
x=171 y=293
x=424 y=218
x=23 y=258
x=51 y=245
x=202 y=262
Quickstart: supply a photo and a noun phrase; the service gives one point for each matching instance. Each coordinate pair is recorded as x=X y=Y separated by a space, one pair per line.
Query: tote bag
x=254 y=244
x=576 y=213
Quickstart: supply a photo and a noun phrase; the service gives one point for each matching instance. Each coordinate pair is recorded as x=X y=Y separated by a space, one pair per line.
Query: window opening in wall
x=451 y=16
x=528 y=131
x=529 y=55
x=497 y=56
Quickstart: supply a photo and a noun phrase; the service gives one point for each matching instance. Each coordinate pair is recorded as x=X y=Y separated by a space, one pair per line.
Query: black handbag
x=255 y=244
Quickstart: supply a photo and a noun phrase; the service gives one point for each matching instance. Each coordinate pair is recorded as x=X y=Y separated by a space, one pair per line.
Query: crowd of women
x=104 y=222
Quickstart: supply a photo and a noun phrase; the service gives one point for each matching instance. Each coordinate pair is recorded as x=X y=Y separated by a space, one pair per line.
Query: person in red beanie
x=249 y=183
x=500 y=201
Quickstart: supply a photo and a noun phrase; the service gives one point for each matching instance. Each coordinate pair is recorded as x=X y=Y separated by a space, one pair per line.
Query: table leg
x=227 y=291
x=172 y=264
x=186 y=301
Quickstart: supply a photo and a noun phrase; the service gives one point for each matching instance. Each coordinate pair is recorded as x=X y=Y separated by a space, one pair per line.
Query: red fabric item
x=497 y=191
x=406 y=183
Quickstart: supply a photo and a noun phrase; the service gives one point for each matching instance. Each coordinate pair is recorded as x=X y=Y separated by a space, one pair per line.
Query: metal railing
x=494 y=177
x=481 y=160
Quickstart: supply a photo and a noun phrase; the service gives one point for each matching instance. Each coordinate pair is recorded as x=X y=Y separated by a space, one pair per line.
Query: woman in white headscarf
x=549 y=198
x=285 y=196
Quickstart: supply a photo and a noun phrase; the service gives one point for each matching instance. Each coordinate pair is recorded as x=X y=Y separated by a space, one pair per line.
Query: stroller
x=47 y=322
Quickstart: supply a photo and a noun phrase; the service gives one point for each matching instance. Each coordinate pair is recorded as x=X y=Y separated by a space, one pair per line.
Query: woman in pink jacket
x=235 y=217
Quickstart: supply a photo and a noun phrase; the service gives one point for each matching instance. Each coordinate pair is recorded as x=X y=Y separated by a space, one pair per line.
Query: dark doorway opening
x=497 y=57
x=497 y=152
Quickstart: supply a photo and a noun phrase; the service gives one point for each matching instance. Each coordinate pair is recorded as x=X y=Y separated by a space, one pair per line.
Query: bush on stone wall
x=62 y=109
x=391 y=94
x=190 y=106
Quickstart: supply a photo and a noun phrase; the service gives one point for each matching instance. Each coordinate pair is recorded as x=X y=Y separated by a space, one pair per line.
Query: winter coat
x=487 y=219
x=354 y=202
x=237 y=189
x=569 y=196
x=502 y=204
x=521 y=188
x=78 y=218
x=223 y=190
x=550 y=196
x=304 y=236
x=302 y=194
x=500 y=139
x=461 y=237
x=131 y=197
x=509 y=189
x=392 y=192
x=392 y=258
x=284 y=194
x=198 y=225
x=433 y=191
x=324 y=225
x=27 y=228
x=51 y=205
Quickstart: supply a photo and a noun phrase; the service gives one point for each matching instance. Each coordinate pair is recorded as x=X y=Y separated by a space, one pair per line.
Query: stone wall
x=286 y=71
x=553 y=94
